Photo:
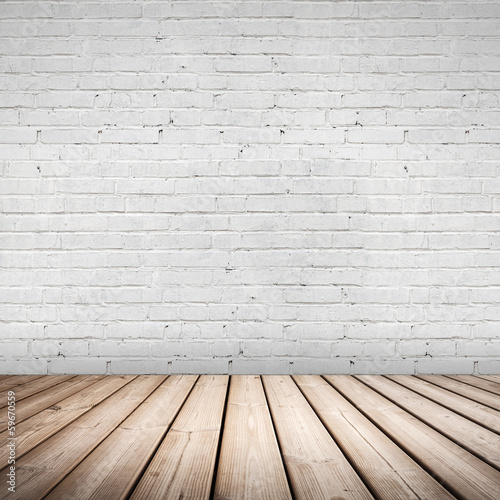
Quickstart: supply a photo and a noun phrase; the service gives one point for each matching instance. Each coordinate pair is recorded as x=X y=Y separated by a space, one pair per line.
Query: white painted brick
x=78 y=366
x=197 y=366
x=133 y=330
x=323 y=28
x=379 y=330
x=387 y=135
x=417 y=348
x=274 y=187
x=446 y=365
x=17 y=135
x=427 y=136
x=485 y=331
x=480 y=349
x=225 y=348
x=50 y=348
x=243 y=65
x=309 y=294
x=334 y=366
x=308 y=100
x=148 y=136
x=314 y=136
x=244 y=136
x=27 y=366
x=182 y=99
x=272 y=366
x=244 y=100
x=13 y=350
x=488 y=366
x=383 y=365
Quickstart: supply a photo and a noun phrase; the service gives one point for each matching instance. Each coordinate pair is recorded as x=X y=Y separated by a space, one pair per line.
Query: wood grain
x=389 y=472
x=250 y=464
x=492 y=378
x=316 y=467
x=24 y=386
x=42 y=400
x=34 y=387
x=462 y=473
x=471 y=436
x=111 y=471
x=186 y=437
x=482 y=383
x=40 y=470
x=17 y=380
x=36 y=429
x=183 y=466
x=481 y=414
x=474 y=393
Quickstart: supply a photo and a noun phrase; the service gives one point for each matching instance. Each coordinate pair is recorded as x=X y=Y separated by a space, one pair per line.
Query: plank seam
x=477 y=386
x=486 y=377
x=292 y=493
x=102 y=440
x=455 y=391
x=432 y=425
x=69 y=423
x=58 y=401
x=22 y=398
x=475 y=401
x=351 y=463
x=219 y=444
x=406 y=450
x=139 y=477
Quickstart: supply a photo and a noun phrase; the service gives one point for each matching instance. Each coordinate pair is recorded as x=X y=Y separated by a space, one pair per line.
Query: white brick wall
x=269 y=186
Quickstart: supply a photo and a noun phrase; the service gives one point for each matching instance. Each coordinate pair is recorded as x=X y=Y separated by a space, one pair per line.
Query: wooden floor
x=250 y=437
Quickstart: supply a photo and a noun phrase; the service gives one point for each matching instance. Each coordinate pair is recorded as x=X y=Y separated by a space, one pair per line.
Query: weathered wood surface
x=215 y=437
x=250 y=464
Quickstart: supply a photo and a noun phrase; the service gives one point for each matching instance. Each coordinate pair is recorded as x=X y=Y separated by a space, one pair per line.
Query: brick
x=18 y=136
x=148 y=136
x=427 y=136
x=334 y=366
x=243 y=65
x=244 y=187
x=383 y=365
x=77 y=366
x=198 y=366
x=488 y=366
x=458 y=366
x=376 y=136
x=13 y=349
x=484 y=136
x=312 y=295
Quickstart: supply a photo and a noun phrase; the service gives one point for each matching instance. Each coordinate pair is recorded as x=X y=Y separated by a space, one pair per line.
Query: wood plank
x=36 y=429
x=33 y=387
x=183 y=466
x=462 y=473
x=471 y=436
x=111 y=471
x=482 y=415
x=17 y=380
x=42 y=400
x=492 y=378
x=486 y=385
x=473 y=393
x=387 y=470
x=316 y=467
x=250 y=464
x=40 y=470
